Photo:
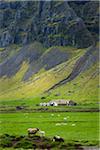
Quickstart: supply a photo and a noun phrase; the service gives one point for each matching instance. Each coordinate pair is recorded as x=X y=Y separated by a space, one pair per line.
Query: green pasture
x=32 y=105
x=78 y=126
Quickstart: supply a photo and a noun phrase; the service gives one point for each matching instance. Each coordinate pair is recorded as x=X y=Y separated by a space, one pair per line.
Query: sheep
x=58 y=124
x=65 y=118
x=58 y=139
x=32 y=131
x=52 y=114
x=73 y=124
x=41 y=133
x=64 y=124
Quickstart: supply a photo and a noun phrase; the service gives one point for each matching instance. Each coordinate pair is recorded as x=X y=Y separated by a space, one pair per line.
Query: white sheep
x=73 y=124
x=32 y=131
x=65 y=118
x=64 y=124
x=58 y=124
x=41 y=133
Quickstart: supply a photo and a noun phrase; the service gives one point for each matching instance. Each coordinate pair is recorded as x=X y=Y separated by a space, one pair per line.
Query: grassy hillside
x=83 y=89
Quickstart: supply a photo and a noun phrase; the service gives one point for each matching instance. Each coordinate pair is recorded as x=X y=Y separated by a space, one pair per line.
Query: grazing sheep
x=58 y=139
x=58 y=124
x=73 y=124
x=32 y=131
x=65 y=118
x=64 y=124
x=41 y=133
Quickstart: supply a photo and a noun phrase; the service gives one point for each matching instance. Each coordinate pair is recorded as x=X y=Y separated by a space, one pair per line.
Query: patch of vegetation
x=53 y=24
x=8 y=84
x=2 y=49
x=53 y=36
x=36 y=142
x=71 y=23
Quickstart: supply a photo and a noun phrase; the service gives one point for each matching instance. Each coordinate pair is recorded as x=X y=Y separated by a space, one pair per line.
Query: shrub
x=24 y=144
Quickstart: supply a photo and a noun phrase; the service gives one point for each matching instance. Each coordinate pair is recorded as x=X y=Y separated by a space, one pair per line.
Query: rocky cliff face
x=88 y=11
x=48 y=22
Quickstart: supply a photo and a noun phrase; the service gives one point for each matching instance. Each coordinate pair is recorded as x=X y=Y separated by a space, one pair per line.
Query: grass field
x=78 y=126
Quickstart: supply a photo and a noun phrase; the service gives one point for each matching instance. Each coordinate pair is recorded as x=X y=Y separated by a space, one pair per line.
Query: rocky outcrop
x=48 y=22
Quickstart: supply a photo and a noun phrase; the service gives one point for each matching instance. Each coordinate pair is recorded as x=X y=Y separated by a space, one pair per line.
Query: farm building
x=59 y=102
x=63 y=102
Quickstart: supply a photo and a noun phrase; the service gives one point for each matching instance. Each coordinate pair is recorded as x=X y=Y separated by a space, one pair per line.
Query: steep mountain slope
x=84 y=63
x=65 y=80
x=47 y=51
x=41 y=69
x=28 y=53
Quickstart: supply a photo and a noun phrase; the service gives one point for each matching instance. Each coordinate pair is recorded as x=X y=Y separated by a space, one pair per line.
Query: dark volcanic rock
x=47 y=61
x=49 y=22
x=88 y=11
x=35 y=56
x=11 y=65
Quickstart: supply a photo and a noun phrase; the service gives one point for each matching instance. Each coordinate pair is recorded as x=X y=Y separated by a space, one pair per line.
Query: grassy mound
x=35 y=142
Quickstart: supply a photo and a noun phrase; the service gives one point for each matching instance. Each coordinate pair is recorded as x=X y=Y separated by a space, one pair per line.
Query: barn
x=62 y=102
x=59 y=102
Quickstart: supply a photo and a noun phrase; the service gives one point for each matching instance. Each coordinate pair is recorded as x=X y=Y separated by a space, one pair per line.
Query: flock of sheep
x=33 y=131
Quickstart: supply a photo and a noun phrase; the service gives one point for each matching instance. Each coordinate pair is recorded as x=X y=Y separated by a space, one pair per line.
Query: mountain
x=49 y=48
x=49 y=22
